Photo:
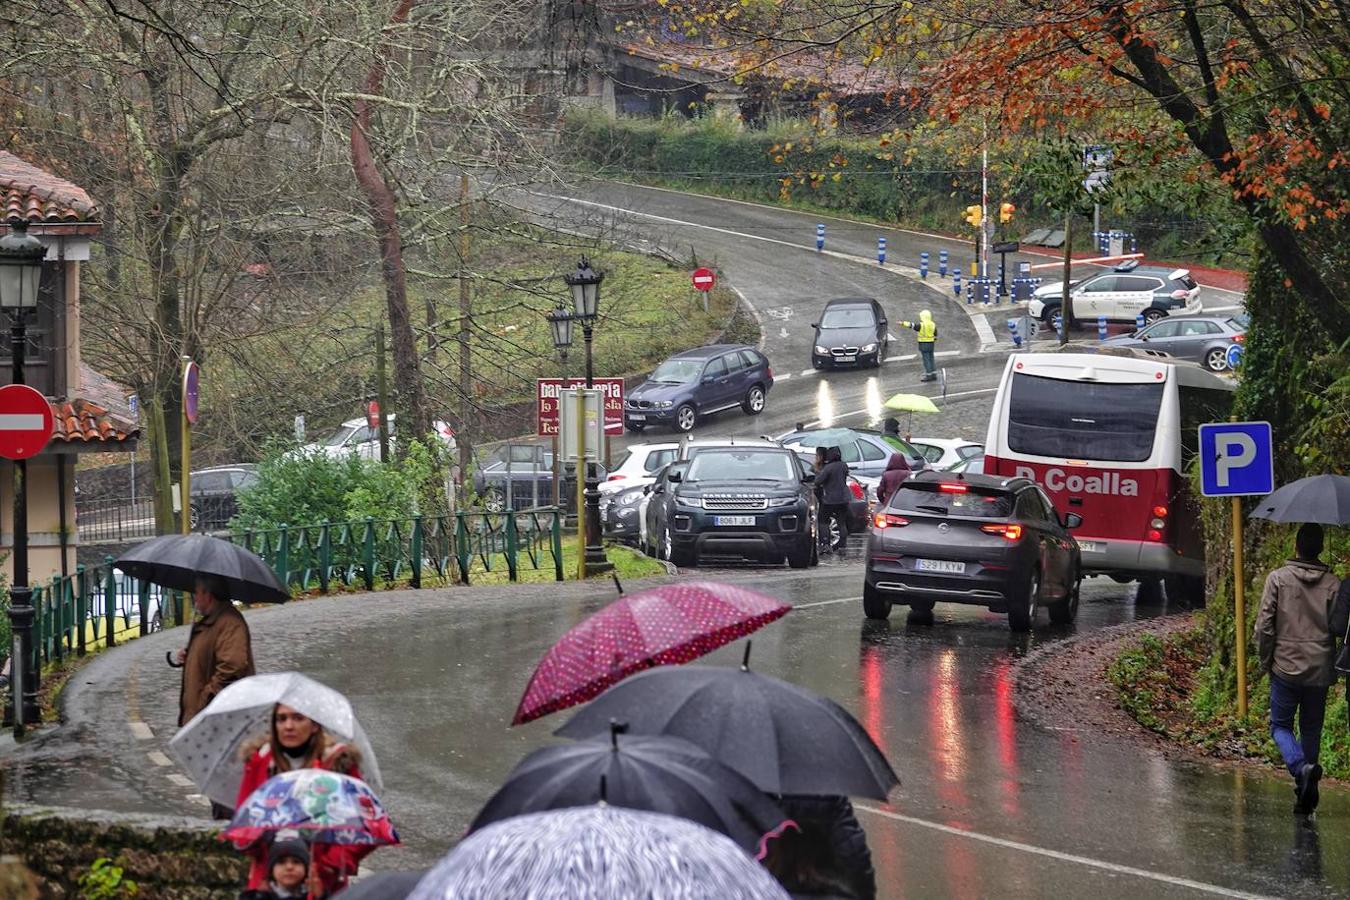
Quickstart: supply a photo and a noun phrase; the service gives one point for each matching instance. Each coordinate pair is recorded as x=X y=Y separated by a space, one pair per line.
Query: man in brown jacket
x=1293 y=638
x=219 y=649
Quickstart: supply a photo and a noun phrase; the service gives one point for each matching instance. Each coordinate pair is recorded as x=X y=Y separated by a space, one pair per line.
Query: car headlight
x=689 y=502
x=782 y=501
x=631 y=499
x=869 y=348
x=821 y=351
x=665 y=404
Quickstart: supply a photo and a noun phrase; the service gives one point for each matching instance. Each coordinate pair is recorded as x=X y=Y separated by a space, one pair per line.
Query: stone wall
x=167 y=858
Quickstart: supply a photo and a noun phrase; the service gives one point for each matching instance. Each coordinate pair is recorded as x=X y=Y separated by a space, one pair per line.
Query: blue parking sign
x=1236 y=459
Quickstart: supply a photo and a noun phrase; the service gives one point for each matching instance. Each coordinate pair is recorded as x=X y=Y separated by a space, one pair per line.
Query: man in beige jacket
x=1293 y=638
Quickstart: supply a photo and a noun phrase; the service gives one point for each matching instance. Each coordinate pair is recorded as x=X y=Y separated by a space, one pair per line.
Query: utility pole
x=465 y=310
x=985 y=224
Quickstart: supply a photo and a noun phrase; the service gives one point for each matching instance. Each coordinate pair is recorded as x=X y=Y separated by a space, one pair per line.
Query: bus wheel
x=1188 y=590
x=1150 y=591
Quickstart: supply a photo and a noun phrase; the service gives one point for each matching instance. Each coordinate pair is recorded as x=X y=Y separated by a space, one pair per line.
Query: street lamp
x=560 y=324
x=21 y=257
x=585 y=286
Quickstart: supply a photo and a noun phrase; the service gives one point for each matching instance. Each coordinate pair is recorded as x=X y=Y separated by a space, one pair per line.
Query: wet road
x=989 y=803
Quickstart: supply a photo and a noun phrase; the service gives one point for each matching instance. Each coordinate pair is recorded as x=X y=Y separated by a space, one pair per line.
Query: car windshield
x=742 y=465
x=678 y=371
x=847 y=317
x=911 y=452
x=957 y=499
x=1239 y=322
x=340 y=436
x=1083 y=419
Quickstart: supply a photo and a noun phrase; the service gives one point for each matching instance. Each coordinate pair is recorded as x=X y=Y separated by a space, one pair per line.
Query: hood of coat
x=925 y=316
x=834 y=454
x=1307 y=572
x=897 y=463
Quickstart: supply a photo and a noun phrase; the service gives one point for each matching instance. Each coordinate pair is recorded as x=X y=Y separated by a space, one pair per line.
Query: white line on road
x=806 y=372
x=777 y=378
x=1105 y=866
x=984 y=329
x=140 y=730
x=906 y=358
x=159 y=759
x=940 y=353
x=868 y=412
x=826 y=602
x=180 y=780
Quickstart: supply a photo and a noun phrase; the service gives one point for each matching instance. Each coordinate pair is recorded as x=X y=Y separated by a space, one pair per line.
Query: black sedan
x=974 y=539
x=851 y=332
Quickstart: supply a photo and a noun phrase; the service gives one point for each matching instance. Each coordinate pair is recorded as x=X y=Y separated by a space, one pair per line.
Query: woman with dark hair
x=296 y=741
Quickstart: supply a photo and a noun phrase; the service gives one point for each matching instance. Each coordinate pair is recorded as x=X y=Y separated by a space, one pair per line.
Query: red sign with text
x=548 y=406
x=704 y=279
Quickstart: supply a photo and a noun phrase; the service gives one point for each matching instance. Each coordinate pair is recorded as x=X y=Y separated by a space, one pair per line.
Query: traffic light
x=974 y=216
x=1005 y=212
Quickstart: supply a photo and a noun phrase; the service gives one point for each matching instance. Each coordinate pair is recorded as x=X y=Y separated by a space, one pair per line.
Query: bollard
x=1059 y=326
x=881 y=251
x=1016 y=338
x=956 y=283
x=923 y=264
x=970 y=293
x=1101 y=328
x=1138 y=321
x=942 y=263
x=820 y=236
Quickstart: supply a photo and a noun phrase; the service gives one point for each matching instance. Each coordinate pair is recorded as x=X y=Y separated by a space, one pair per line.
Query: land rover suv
x=754 y=501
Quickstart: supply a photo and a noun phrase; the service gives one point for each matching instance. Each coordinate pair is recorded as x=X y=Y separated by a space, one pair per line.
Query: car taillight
x=616 y=478
x=1180 y=295
x=1155 y=535
x=857 y=490
x=1157 y=523
x=953 y=488
x=769 y=373
x=886 y=520
x=1239 y=338
x=1011 y=532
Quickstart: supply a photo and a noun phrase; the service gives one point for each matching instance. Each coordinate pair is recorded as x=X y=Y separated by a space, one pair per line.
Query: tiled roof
x=40 y=197
x=84 y=420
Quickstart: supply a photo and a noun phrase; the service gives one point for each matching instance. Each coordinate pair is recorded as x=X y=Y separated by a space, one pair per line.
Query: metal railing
x=114 y=520
x=100 y=605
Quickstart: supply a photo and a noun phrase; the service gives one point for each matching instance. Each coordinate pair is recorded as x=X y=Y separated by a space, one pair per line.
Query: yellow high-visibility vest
x=927 y=332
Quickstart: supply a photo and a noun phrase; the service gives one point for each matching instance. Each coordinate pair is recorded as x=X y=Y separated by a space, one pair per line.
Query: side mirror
x=815 y=324
x=808 y=477
x=709 y=379
x=1142 y=337
x=1072 y=520
x=674 y=478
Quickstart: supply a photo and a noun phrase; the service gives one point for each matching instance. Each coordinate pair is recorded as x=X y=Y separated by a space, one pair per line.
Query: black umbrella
x=1318 y=498
x=655 y=774
x=382 y=886
x=177 y=560
x=784 y=738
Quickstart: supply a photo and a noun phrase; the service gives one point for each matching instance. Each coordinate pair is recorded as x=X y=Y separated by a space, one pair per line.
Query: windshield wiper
x=930 y=507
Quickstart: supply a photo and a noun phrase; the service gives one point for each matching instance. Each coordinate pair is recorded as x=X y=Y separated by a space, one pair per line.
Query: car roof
x=709 y=351
x=1157 y=271
x=850 y=301
x=693 y=443
x=352 y=423
x=988 y=482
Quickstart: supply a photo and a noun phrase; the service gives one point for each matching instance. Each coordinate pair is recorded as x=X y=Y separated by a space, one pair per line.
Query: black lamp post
x=21 y=257
x=560 y=324
x=585 y=285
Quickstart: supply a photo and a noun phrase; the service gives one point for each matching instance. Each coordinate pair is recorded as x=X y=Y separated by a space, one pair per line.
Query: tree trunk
x=384 y=219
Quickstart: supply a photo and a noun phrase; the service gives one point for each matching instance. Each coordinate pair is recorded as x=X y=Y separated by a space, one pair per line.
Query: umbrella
x=176 y=560
x=382 y=886
x=208 y=745
x=911 y=403
x=653 y=773
x=828 y=437
x=663 y=626
x=597 y=851
x=327 y=808
x=784 y=738
x=1318 y=498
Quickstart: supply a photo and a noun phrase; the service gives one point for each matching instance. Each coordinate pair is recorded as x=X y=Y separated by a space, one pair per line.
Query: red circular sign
x=704 y=279
x=373 y=414
x=191 y=391
x=26 y=421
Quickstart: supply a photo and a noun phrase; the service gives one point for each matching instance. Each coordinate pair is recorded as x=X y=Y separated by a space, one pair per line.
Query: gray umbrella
x=176 y=560
x=1319 y=498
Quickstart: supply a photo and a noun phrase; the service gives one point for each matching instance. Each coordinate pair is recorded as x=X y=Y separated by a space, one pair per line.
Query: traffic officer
x=927 y=330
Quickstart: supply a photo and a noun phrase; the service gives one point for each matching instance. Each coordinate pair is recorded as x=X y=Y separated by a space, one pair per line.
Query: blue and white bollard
x=1138 y=321
x=1017 y=338
x=942 y=263
x=820 y=236
x=881 y=251
x=1101 y=328
x=923 y=264
x=1059 y=326
x=956 y=284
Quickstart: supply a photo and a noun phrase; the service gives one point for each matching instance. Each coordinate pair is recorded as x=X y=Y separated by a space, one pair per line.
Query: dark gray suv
x=697 y=383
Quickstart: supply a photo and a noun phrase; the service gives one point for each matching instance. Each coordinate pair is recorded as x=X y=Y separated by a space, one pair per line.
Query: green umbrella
x=910 y=403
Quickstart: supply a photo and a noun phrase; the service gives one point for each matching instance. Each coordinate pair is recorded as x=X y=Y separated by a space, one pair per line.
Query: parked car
x=866 y=455
x=971 y=465
x=851 y=331
x=519 y=474
x=975 y=539
x=1202 y=339
x=943 y=453
x=698 y=383
x=213 y=494
x=1121 y=294
x=749 y=501
x=638 y=466
x=621 y=513
x=356 y=436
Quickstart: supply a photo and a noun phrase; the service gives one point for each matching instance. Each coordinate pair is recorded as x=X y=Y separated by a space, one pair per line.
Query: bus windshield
x=1081 y=419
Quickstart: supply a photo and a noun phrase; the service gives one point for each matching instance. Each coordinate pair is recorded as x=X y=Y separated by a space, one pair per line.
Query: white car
x=1121 y=294
x=944 y=452
x=356 y=436
x=638 y=466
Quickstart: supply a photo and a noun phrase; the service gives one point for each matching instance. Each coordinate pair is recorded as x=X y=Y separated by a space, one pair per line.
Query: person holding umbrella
x=219 y=650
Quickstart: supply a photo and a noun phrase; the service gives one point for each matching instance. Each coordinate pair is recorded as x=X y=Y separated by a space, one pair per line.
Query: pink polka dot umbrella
x=664 y=626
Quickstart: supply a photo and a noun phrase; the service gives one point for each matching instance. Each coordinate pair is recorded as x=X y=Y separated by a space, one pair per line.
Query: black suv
x=749 y=501
x=697 y=383
x=978 y=539
x=213 y=494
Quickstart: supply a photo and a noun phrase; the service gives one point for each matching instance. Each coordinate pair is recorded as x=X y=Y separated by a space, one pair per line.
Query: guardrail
x=100 y=605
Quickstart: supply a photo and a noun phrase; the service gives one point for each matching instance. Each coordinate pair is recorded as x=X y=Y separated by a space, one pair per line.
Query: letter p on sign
x=1236 y=459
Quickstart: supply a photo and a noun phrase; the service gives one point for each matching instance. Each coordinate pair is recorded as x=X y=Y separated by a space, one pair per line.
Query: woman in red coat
x=298 y=742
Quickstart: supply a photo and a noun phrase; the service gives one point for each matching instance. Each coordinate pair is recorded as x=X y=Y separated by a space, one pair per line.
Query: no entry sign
x=191 y=391
x=26 y=421
x=703 y=279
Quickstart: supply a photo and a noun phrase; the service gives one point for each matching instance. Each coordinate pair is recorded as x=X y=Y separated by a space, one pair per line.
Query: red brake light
x=1011 y=532
x=857 y=489
x=1155 y=535
x=886 y=520
x=1160 y=511
x=768 y=372
x=1239 y=338
x=1180 y=295
x=953 y=488
x=616 y=478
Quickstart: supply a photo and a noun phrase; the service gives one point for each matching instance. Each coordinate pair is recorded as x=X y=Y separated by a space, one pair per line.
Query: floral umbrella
x=325 y=807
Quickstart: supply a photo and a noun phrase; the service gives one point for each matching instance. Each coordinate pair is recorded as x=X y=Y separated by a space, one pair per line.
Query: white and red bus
x=1109 y=434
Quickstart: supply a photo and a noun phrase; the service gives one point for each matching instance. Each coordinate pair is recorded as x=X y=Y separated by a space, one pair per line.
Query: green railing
x=100 y=606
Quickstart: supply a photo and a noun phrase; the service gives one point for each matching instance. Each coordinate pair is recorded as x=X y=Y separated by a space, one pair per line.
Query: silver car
x=1202 y=339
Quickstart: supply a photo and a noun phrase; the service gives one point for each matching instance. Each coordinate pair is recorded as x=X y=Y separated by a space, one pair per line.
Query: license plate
x=1092 y=546
x=853 y=358
x=940 y=565
x=637 y=417
x=734 y=520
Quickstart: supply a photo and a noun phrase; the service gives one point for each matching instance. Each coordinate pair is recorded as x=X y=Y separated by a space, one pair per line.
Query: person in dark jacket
x=897 y=470
x=891 y=426
x=832 y=488
x=829 y=855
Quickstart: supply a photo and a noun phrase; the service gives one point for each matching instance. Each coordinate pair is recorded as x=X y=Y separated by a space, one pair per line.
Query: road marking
x=949 y=352
x=1105 y=866
x=754 y=314
x=826 y=602
x=806 y=372
x=159 y=758
x=783 y=377
x=862 y=412
x=906 y=358
x=140 y=730
x=180 y=780
x=983 y=329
